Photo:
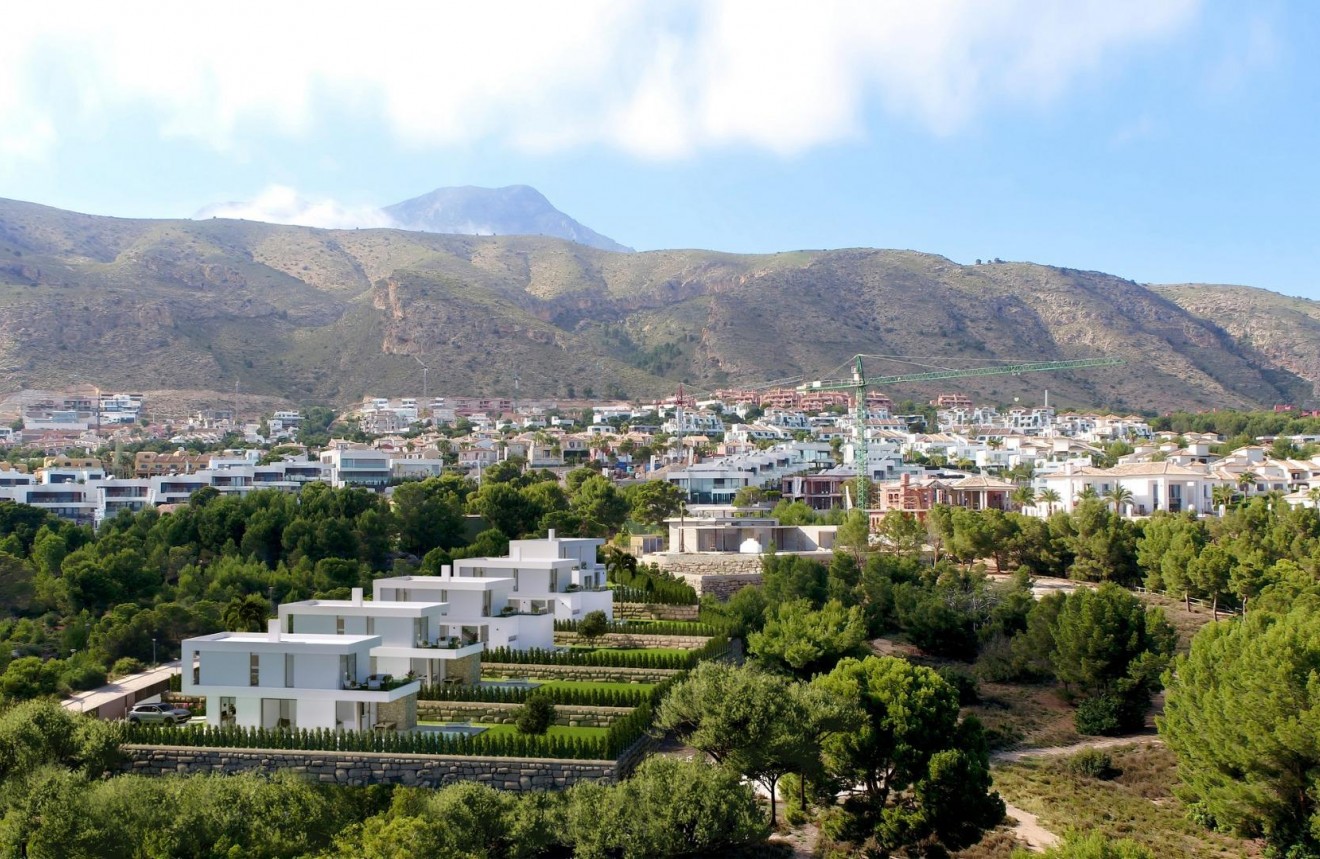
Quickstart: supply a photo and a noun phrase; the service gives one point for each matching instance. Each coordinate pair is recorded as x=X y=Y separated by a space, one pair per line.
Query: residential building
x=413 y=637
x=279 y=680
x=479 y=609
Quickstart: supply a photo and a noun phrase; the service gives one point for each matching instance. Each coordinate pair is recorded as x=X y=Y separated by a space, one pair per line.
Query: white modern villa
x=412 y=635
x=557 y=575
x=279 y=680
x=479 y=609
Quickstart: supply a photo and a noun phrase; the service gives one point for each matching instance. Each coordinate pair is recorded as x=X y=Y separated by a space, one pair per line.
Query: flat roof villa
x=414 y=637
x=479 y=609
x=280 y=680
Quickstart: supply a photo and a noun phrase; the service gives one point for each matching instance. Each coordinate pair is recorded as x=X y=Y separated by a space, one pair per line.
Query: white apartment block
x=279 y=680
x=560 y=576
x=478 y=609
x=412 y=635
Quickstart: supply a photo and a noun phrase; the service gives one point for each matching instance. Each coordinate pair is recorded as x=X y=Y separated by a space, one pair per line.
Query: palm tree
x=1024 y=496
x=1050 y=497
x=1222 y=495
x=1245 y=481
x=1314 y=494
x=247 y=614
x=1120 y=496
x=1088 y=493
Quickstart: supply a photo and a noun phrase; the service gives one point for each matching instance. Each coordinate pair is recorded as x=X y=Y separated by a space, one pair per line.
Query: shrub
x=536 y=716
x=126 y=665
x=963 y=681
x=593 y=625
x=1099 y=716
x=1091 y=763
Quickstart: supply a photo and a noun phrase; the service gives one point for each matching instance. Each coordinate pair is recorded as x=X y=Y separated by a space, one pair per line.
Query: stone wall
x=364 y=768
x=648 y=611
x=717 y=575
x=704 y=563
x=637 y=639
x=572 y=715
x=579 y=672
x=467 y=668
x=403 y=713
x=722 y=586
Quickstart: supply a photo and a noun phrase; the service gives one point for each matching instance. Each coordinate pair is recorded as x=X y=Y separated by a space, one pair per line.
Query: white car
x=166 y=714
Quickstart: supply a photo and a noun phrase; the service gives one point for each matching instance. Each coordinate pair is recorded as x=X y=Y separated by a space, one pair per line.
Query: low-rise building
x=279 y=680
x=413 y=637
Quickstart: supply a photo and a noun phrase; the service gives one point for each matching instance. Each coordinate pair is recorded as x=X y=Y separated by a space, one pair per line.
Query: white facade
x=1154 y=486
x=412 y=634
x=275 y=680
x=479 y=609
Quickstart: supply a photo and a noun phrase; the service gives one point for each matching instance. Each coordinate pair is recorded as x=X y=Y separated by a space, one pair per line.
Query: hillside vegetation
x=330 y=315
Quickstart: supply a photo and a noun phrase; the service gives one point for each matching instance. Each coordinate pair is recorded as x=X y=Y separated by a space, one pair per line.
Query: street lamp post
x=153 y=652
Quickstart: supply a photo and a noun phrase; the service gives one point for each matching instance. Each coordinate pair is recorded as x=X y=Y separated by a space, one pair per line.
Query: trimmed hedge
x=652 y=627
x=617 y=738
x=713 y=649
x=665 y=593
x=559 y=695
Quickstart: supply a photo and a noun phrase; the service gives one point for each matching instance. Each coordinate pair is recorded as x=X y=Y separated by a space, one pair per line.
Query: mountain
x=329 y=315
x=517 y=210
x=1273 y=328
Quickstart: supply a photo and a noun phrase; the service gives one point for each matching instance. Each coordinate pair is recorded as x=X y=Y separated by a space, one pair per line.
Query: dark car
x=166 y=714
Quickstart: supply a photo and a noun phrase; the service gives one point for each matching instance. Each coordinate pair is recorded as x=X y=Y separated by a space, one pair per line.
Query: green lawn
x=582 y=648
x=596 y=684
x=582 y=684
x=555 y=730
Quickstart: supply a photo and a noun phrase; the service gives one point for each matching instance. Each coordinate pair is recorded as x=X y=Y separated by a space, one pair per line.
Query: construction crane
x=425 y=370
x=859 y=383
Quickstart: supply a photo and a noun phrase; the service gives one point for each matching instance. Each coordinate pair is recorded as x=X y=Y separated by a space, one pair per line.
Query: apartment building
x=279 y=680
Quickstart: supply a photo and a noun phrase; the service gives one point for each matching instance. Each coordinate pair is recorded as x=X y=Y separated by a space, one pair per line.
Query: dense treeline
x=56 y=804
x=74 y=602
x=1231 y=424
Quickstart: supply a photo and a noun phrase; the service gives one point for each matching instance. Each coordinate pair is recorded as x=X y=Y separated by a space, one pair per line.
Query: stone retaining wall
x=655 y=611
x=636 y=639
x=714 y=575
x=722 y=586
x=702 y=564
x=364 y=768
x=578 y=672
x=572 y=715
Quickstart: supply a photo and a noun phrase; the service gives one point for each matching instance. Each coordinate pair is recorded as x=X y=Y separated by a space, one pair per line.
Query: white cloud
x=278 y=204
x=656 y=80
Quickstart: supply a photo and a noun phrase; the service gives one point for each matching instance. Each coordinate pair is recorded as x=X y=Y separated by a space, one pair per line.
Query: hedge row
x=713 y=649
x=651 y=627
x=621 y=735
x=660 y=593
x=565 y=695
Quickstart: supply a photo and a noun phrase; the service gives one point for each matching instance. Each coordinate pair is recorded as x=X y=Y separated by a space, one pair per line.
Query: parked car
x=165 y=713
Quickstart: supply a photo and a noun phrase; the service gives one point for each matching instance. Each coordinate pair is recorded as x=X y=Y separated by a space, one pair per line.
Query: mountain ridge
x=329 y=315
x=513 y=210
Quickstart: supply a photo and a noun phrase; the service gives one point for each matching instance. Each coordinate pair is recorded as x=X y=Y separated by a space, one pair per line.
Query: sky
x=1164 y=141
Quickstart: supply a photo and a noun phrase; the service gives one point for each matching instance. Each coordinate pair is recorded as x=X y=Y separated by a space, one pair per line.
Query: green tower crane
x=859 y=383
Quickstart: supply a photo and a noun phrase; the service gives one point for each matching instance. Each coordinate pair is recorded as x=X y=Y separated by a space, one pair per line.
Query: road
x=113 y=699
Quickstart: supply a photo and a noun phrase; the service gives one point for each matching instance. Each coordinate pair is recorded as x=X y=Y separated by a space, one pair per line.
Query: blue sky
x=1162 y=141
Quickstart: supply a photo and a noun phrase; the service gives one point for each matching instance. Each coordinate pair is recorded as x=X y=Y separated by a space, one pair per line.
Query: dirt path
x=1028 y=830
x=1026 y=827
x=1015 y=755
